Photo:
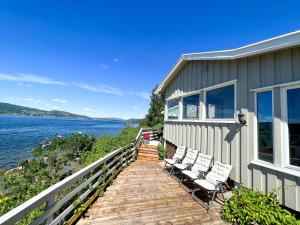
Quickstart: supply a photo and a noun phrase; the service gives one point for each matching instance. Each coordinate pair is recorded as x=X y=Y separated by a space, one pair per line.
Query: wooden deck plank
x=144 y=194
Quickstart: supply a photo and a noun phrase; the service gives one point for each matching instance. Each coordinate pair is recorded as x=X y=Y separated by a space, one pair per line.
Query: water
x=19 y=134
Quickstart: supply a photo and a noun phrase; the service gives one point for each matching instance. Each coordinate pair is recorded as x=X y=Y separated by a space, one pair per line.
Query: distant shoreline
x=61 y=117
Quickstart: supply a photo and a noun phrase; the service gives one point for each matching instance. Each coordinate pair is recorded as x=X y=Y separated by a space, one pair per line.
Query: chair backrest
x=190 y=156
x=180 y=152
x=219 y=172
x=202 y=163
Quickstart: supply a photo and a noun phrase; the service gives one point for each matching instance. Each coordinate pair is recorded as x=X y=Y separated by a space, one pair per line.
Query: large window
x=191 y=107
x=220 y=103
x=173 y=109
x=293 y=109
x=265 y=125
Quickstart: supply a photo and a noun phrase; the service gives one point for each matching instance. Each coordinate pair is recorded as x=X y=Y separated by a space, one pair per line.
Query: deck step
x=149 y=146
x=146 y=150
x=148 y=155
x=148 y=159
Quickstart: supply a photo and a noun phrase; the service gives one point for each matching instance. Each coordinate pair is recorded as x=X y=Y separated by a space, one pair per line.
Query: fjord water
x=19 y=134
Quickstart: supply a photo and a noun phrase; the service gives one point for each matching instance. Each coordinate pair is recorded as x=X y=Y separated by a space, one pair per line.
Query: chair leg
x=212 y=200
x=193 y=193
x=223 y=196
x=171 y=171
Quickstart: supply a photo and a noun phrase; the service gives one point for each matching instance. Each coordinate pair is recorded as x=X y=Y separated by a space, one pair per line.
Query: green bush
x=107 y=144
x=253 y=207
x=161 y=152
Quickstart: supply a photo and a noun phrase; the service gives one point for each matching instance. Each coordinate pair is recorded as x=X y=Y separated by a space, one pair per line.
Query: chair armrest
x=189 y=166
x=220 y=185
x=202 y=174
x=178 y=160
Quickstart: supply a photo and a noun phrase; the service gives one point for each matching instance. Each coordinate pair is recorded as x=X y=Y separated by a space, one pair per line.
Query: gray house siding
x=229 y=142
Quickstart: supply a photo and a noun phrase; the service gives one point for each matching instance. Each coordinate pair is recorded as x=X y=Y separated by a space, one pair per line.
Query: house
x=241 y=106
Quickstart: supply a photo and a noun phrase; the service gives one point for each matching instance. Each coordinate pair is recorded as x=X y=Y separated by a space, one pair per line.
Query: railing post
x=49 y=204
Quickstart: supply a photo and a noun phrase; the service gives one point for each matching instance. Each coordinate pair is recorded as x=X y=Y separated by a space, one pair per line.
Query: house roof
x=269 y=45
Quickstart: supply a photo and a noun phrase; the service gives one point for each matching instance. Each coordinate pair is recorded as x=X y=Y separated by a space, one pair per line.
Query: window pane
x=190 y=107
x=173 y=109
x=293 y=97
x=265 y=126
x=220 y=103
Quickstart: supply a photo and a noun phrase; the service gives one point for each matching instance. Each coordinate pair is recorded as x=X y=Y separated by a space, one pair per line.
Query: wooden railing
x=84 y=187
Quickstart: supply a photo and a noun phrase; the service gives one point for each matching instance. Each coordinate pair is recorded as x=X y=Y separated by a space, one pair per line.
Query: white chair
x=213 y=182
x=178 y=156
x=187 y=162
x=198 y=170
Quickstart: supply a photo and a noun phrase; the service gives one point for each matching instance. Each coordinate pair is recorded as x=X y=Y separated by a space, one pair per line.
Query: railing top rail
x=20 y=211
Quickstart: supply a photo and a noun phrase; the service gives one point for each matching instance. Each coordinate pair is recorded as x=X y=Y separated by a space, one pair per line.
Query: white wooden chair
x=187 y=162
x=198 y=170
x=213 y=183
x=178 y=156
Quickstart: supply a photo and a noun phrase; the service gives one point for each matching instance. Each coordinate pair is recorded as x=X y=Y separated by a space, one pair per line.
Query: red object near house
x=146 y=136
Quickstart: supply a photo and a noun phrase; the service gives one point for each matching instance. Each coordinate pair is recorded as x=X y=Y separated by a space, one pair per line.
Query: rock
x=13 y=170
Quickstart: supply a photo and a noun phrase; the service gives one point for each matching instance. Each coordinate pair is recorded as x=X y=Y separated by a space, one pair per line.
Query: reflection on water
x=18 y=135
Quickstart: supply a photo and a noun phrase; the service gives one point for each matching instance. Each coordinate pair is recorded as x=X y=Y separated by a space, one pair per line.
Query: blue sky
x=102 y=58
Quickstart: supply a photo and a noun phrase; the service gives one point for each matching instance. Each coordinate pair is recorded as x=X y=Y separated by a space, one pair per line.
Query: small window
x=191 y=107
x=265 y=126
x=293 y=107
x=220 y=103
x=173 y=109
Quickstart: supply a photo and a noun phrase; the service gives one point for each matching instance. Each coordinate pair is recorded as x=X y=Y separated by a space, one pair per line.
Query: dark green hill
x=6 y=108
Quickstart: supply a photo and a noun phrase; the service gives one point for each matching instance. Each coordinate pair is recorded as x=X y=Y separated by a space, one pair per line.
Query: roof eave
x=273 y=44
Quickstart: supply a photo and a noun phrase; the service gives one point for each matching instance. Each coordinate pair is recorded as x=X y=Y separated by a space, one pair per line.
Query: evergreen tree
x=155 y=116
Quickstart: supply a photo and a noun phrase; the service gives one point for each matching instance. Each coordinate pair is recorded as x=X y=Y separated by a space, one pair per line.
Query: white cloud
x=33 y=100
x=100 y=88
x=63 y=101
x=87 y=109
x=104 y=66
x=144 y=95
x=24 y=85
x=135 y=107
x=116 y=60
x=29 y=78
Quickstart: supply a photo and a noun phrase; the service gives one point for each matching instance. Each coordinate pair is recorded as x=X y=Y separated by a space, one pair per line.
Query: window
x=293 y=113
x=220 y=103
x=265 y=125
x=191 y=107
x=173 y=109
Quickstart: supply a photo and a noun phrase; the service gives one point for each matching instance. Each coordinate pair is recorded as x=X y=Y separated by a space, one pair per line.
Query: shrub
x=253 y=207
x=107 y=144
x=161 y=152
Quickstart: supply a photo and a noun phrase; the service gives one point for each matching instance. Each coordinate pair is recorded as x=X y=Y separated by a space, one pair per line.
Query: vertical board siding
x=231 y=143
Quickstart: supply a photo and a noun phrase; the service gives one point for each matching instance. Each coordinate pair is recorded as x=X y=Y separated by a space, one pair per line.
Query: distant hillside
x=6 y=108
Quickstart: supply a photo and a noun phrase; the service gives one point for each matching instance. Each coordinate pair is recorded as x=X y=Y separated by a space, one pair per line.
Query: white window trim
x=255 y=127
x=284 y=128
x=271 y=166
x=198 y=108
x=225 y=84
x=167 y=110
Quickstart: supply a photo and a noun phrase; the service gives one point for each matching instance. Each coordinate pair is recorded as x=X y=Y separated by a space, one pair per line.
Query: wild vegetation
x=155 y=117
x=253 y=207
x=53 y=162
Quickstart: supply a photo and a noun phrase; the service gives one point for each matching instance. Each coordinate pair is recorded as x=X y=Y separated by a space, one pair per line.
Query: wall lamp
x=241 y=118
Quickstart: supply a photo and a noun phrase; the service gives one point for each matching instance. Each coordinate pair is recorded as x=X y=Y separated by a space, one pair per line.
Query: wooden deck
x=144 y=194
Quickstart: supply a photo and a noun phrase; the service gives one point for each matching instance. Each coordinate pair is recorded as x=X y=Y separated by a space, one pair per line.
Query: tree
x=155 y=116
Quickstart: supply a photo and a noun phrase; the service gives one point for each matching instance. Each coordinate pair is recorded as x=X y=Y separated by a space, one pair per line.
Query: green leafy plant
x=154 y=116
x=253 y=207
x=161 y=152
